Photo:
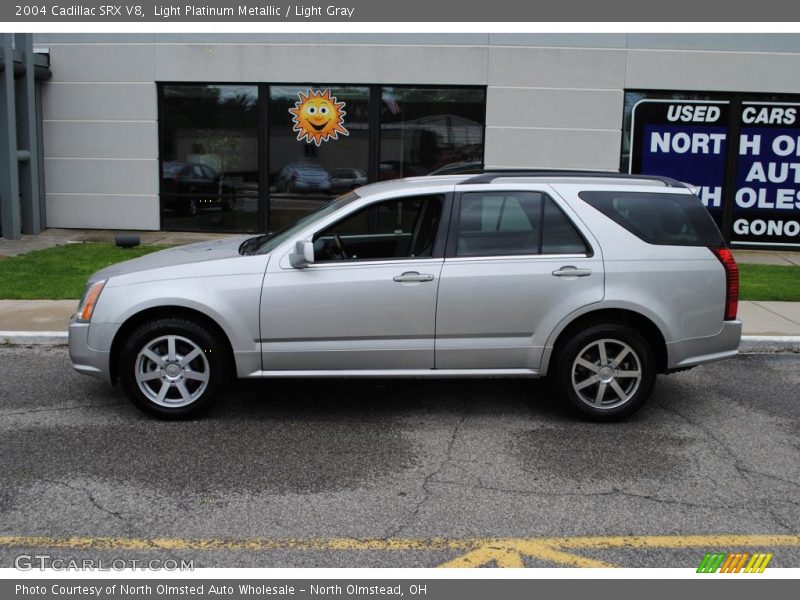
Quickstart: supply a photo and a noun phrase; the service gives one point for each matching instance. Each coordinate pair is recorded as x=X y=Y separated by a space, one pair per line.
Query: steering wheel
x=340 y=246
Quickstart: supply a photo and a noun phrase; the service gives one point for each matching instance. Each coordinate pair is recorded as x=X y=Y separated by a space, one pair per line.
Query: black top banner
x=266 y=11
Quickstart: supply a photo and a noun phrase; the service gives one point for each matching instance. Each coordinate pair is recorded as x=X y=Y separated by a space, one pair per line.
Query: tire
x=604 y=390
x=190 y=387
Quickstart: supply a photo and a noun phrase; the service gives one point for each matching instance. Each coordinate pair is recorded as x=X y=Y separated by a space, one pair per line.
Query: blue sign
x=766 y=208
x=693 y=142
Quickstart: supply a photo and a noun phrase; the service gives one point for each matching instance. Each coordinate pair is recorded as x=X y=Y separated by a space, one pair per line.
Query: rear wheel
x=605 y=372
x=173 y=368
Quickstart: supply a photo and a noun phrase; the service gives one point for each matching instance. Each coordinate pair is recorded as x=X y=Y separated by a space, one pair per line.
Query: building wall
x=554 y=100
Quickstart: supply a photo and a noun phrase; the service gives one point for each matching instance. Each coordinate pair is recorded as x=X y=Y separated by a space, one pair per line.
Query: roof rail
x=489 y=175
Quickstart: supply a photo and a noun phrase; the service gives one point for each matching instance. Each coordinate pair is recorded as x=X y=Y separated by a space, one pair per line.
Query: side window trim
x=451 y=250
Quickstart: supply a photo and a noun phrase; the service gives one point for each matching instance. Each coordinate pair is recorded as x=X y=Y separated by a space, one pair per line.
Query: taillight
x=725 y=256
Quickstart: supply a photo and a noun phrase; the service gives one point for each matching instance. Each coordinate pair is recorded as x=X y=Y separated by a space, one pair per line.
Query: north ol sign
x=751 y=186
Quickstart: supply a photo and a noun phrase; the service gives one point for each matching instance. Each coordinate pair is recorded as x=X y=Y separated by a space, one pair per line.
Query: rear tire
x=605 y=372
x=173 y=368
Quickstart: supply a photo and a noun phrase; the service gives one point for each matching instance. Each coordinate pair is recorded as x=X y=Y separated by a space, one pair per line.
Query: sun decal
x=318 y=117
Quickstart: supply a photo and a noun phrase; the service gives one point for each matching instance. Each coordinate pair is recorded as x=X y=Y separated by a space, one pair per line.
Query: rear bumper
x=697 y=351
x=84 y=359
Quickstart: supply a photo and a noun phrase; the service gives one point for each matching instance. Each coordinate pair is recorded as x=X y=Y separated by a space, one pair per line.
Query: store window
x=257 y=157
x=318 y=147
x=209 y=166
x=426 y=128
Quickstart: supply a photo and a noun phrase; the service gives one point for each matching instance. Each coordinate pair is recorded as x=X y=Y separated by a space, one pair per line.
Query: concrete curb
x=754 y=344
x=751 y=344
x=33 y=338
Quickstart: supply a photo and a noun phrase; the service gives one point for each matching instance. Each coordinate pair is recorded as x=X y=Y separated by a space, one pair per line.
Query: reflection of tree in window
x=210 y=161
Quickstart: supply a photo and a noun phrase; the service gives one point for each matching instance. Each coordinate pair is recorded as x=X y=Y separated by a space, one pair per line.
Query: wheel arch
x=625 y=316
x=161 y=312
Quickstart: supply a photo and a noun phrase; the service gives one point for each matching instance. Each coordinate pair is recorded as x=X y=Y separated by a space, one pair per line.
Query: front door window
x=393 y=229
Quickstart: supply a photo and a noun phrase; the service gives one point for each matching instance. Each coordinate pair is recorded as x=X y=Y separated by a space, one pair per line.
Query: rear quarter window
x=661 y=219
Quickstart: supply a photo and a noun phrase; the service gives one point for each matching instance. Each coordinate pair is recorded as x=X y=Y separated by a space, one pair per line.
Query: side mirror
x=303 y=254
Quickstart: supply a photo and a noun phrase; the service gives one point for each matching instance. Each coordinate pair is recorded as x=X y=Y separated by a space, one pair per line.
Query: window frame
x=451 y=252
x=439 y=244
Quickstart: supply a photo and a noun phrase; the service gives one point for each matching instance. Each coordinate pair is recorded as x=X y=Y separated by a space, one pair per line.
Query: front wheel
x=173 y=368
x=605 y=372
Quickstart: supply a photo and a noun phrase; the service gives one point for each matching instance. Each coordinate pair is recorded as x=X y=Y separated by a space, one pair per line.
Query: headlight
x=88 y=302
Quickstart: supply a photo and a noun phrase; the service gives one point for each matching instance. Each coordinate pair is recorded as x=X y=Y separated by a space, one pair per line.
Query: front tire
x=605 y=372
x=173 y=368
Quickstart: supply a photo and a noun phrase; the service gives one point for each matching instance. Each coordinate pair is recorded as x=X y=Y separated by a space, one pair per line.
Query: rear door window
x=514 y=223
x=499 y=223
x=661 y=219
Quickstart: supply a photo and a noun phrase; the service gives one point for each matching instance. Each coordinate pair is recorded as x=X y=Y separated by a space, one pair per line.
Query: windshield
x=263 y=244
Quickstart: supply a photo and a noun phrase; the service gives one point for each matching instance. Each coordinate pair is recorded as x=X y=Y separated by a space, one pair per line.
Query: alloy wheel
x=172 y=371
x=606 y=373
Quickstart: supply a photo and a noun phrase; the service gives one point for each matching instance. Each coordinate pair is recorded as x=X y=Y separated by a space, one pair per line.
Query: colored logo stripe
x=734 y=562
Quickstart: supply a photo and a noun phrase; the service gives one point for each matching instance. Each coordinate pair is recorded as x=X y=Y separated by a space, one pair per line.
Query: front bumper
x=84 y=358
x=697 y=351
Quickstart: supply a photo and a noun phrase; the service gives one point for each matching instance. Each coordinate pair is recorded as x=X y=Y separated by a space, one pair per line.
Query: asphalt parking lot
x=402 y=473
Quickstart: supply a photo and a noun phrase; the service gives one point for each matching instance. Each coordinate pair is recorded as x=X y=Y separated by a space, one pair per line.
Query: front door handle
x=413 y=276
x=570 y=271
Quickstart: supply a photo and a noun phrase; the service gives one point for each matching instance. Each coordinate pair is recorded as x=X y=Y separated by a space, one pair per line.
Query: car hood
x=171 y=257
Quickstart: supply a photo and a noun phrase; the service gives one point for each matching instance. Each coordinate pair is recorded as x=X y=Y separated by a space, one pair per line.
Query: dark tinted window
x=499 y=223
x=426 y=128
x=307 y=145
x=401 y=228
x=507 y=223
x=664 y=219
x=559 y=235
x=210 y=160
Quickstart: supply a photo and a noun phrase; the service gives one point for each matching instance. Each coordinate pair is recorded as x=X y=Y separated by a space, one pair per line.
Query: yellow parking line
x=503 y=552
x=676 y=541
x=509 y=553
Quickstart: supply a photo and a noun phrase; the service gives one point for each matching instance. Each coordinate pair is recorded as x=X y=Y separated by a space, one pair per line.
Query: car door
x=515 y=266
x=368 y=301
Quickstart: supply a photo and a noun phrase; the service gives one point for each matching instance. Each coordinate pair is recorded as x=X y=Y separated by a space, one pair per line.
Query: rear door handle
x=413 y=276
x=571 y=271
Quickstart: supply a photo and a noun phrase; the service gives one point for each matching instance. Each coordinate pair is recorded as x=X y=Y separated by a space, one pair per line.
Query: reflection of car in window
x=191 y=187
x=303 y=177
x=347 y=178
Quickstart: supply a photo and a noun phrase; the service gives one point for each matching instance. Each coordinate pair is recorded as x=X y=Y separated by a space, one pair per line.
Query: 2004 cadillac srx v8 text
x=598 y=281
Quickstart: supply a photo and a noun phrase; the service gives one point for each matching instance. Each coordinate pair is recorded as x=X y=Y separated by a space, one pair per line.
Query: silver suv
x=598 y=281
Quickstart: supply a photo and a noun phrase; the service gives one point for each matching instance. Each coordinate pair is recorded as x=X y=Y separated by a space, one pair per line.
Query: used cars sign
x=744 y=156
